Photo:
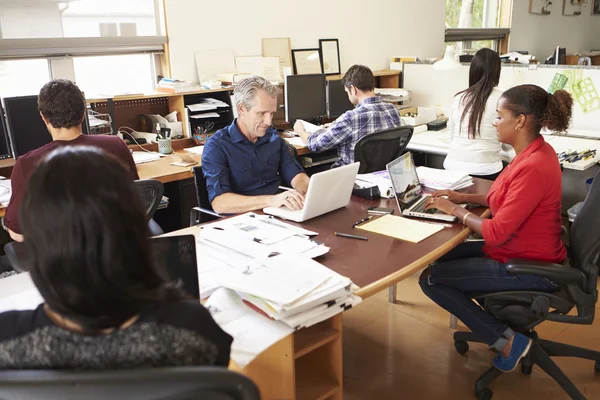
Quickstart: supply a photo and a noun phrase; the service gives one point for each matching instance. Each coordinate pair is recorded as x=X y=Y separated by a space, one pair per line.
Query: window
x=110 y=75
x=474 y=24
x=80 y=27
x=82 y=18
x=23 y=77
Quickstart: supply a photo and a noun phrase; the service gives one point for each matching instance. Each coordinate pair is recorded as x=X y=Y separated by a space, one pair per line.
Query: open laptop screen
x=403 y=174
x=177 y=256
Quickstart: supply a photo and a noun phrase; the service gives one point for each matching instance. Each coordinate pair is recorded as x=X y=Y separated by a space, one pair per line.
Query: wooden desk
x=163 y=171
x=308 y=363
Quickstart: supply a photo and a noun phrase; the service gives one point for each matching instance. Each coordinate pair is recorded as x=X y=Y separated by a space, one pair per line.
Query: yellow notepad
x=401 y=228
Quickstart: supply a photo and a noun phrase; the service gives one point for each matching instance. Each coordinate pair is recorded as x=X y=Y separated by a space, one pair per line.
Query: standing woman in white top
x=474 y=146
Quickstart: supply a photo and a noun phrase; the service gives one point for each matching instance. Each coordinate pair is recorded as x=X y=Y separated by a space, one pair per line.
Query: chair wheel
x=526 y=369
x=483 y=394
x=461 y=347
x=597 y=366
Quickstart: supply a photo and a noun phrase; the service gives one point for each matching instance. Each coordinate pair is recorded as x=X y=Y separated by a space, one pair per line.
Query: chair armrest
x=559 y=274
x=207 y=211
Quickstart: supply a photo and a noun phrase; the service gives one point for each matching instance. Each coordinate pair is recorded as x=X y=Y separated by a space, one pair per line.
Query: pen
x=346 y=235
x=361 y=221
x=284 y=188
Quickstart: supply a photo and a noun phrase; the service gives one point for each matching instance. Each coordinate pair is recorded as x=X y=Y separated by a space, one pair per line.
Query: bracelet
x=465 y=217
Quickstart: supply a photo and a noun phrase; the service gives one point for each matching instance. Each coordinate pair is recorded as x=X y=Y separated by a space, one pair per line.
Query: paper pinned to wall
x=209 y=63
x=267 y=67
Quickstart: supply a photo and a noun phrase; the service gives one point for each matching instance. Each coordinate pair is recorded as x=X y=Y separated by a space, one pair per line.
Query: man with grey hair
x=244 y=163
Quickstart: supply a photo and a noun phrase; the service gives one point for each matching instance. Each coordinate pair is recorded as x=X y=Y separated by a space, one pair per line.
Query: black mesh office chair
x=151 y=192
x=180 y=383
x=524 y=310
x=204 y=212
x=377 y=149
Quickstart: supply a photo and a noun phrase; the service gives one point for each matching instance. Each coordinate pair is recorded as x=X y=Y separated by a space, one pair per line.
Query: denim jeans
x=465 y=269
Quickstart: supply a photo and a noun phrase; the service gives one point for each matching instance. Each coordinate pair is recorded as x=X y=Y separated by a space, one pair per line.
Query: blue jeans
x=465 y=269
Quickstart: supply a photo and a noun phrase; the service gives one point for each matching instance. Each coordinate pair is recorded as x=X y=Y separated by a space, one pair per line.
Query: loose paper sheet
x=401 y=228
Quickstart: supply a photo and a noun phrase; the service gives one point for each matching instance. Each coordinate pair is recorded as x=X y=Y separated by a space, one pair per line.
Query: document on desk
x=401 y=228
x=310 y=128
x=295 y=141
x=18 y=292
x=252 y=332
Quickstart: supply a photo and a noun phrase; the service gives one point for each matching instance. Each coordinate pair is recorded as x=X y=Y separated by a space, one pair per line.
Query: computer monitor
x=4 y=143
x=175 y=256
x=558 y=57
x=26 y=129
x=305 y=97
x=337 y=99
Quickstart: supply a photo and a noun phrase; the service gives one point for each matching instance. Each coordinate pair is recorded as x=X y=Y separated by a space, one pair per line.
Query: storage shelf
x=311 y=386
x=308 y=340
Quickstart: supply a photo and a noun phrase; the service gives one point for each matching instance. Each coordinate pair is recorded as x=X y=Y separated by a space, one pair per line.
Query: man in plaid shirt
x=369 y=115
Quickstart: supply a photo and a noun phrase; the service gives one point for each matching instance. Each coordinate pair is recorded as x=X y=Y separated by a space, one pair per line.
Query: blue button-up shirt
x=370 y=115
x=232 y=163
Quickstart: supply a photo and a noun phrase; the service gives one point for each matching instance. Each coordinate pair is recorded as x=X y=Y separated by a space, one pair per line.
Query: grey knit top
x=176 y=334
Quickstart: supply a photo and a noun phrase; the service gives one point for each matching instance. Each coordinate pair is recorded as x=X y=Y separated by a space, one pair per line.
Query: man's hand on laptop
x=289 y=198
x=451 y=195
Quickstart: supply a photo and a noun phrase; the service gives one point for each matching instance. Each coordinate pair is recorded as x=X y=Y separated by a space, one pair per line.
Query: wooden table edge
x=383 y=283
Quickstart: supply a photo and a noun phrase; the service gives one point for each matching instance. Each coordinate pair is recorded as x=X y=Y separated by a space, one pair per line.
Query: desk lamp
x=449 y=60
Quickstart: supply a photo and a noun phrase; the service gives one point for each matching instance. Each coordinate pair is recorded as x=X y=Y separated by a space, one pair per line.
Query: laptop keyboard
x=420 y=207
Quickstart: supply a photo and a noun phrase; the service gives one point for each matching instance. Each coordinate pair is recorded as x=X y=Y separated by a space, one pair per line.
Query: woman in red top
x=525 y=202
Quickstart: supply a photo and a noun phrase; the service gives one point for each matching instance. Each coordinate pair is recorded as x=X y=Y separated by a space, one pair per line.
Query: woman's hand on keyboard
x=451 y=195
x=441 y=204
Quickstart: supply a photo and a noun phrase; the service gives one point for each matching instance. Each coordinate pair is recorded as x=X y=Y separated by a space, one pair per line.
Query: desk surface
x=163 y=171
x=382 y=261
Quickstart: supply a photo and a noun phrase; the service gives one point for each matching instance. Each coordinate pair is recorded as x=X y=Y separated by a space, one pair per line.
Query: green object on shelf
x=558 y=83
x=586 y=95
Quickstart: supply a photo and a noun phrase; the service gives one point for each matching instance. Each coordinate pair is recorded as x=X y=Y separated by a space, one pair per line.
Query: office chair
x=377 y=149
x=169 y=383
x=16 y=253
x=151 y=192
x=204 y=212
x=524 y=310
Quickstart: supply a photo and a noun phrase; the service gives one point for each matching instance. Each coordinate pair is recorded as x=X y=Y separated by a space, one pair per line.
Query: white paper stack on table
x=442 y=179
x=5 y=191
x=268 y=262
x=380 y=179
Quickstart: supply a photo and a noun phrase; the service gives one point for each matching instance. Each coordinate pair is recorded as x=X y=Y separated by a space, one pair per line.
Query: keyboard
x=420 y=207
x=140 y=157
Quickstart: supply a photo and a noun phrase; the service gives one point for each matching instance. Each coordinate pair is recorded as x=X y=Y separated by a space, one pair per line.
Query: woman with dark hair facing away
x=525 y=202
x=474 y=147
x=106 y=304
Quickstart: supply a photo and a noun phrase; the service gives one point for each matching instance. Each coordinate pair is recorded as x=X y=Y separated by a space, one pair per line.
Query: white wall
x=41 y=21
x=429 y=87
x=540 y=34
x=369 y=32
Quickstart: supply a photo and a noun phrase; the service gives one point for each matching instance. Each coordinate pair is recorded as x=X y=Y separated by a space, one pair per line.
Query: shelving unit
x=309 y=364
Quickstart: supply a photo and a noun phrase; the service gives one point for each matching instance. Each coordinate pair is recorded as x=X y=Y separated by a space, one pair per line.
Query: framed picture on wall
x=595 y=7
x=330 y=53
x=543 y=7
x=572 y=7
x=307 y=61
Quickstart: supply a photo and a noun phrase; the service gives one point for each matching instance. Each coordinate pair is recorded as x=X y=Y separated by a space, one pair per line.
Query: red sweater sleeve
x=521 y=199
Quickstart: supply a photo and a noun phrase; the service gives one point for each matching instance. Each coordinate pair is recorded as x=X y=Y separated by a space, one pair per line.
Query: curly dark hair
x=61 y=102
x=360 y=77
x=552 y=111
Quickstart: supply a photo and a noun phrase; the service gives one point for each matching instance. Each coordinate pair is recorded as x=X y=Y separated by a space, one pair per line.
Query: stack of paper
x=167 y=85
x=5 y=191
x=393 y=94
x=442 y=179
x=268 y=262
x=380 y=179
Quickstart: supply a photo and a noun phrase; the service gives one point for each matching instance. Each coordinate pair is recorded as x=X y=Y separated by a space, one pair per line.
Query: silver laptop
x=327 y=191
x=409 y=193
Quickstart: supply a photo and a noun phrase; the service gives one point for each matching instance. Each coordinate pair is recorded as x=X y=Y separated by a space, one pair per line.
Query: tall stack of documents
x=269 y=264
x=442 y=179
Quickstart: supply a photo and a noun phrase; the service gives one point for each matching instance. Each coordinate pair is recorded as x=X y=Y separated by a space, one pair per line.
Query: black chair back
x=174 y=383
x=375 y=150
x=151 y=192
x=201 y=192
x=17 y=256
x=584 y=236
